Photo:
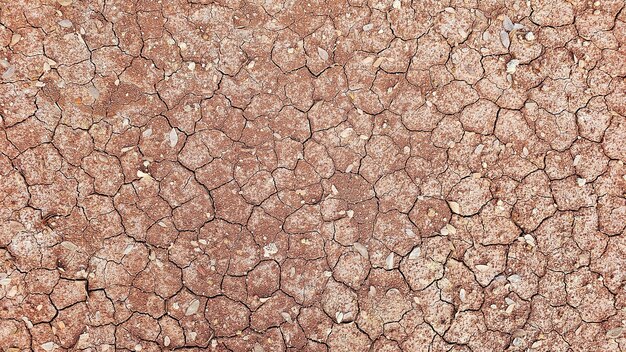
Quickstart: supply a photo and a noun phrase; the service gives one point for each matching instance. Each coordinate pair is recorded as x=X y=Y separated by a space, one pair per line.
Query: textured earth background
x=312 y=176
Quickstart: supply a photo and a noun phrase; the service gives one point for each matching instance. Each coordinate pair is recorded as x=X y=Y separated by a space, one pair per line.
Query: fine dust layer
x=382 y=175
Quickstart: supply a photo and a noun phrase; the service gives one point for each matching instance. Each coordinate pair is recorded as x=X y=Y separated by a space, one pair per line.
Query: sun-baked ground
x=312 y=176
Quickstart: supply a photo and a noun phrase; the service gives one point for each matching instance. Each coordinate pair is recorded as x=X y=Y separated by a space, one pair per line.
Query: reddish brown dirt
x=384 y=175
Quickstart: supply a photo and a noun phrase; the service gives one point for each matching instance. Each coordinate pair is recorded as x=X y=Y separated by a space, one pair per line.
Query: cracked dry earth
x=312 y=176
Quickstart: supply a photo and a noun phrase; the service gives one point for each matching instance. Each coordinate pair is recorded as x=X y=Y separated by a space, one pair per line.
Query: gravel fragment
x=269 y=250
x=389 y=261
x=577 y=159
x=339 y=317
x=8 y=74
x=15 y=38
x=504 y=38
x=379 y=61
x=511 y=66
x=515 y=278
x=614 y=333
x=482 y=267
x=173 y=137
x=143 y=175
x=323 y=54
x=69 y=245
x=361 y=249
x=530 y=240
x=455 y=207
x=286 y=316
x=415 y=253
x=65 y=23
x=509 y=309
x=48 y=346
x=507 y=24
x=192 y=308
x=94 y=92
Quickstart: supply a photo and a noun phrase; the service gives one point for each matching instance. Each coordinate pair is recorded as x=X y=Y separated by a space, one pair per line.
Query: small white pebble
x=515 y=278
x=510 y=308
x=577 y=159
x=389 y=261
x=339 y=317
x=361 y=249
x=193 y=307
x=507 y=24
x=511 y=66
x=504 y=38
x=415 y=253
x=142 y=174
x=615 y=332
x=65 y=23
x=530 y=240
x=323 y=54
x=482 y=267
x=173 y=137
x=455 y=207
x=48 y=346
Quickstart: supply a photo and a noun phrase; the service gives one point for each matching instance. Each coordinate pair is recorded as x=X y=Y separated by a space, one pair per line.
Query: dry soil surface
x=382 y=175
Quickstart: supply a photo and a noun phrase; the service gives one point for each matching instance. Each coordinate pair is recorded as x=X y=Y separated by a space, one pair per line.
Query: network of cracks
x=382 y=175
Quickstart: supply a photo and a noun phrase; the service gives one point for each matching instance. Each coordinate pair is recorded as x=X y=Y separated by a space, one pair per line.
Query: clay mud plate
x=382 y=175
